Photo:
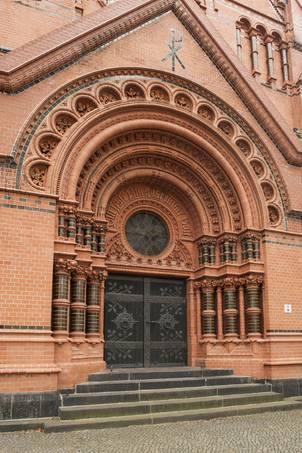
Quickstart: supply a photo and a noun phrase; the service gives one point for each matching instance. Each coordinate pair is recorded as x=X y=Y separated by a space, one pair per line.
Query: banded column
x=254 y=52
x=71 y=228
x=228 y=249
x=208 y=310
x=102 y=303
x=62 y=230
x=99 y=230
x=93 y=305
x=230 y=310
x=238 y=42
x=284 y=61
x=79 y=233
x=87 y=235
x=270 y=59
x=207 y=251
x=219 y=312
x=198 y=310
x=78 y=302
x=253 y=306
x=61 y=296
x=241 y=311
x=250 y=246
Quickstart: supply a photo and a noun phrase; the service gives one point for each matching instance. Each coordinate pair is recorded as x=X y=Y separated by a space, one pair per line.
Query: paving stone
x=265 y=433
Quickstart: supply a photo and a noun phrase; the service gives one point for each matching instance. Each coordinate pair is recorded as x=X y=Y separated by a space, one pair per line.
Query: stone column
x=61 y=297
x=219 y=313
x=208 y=310
x=284 y=60
x=62 y=223
x=254 y=53
x=71 y=229
x=198 y=310
x=78 y=303
x=241 y=312
x=253 y=305
x=93 y=305
x=102 y=303
x=238 y=42
x=230 y=310
x=270 y=58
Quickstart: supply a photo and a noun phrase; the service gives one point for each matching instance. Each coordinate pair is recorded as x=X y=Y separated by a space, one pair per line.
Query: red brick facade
x=187 y=109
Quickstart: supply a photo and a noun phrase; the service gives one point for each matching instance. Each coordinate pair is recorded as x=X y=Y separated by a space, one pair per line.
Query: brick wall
x=26 y=256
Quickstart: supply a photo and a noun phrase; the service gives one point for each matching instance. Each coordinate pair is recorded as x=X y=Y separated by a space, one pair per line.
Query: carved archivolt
x=84 y=109
x=154 y=195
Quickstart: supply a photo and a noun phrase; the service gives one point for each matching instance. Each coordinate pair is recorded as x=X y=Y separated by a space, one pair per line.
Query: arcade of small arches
x=126 y=146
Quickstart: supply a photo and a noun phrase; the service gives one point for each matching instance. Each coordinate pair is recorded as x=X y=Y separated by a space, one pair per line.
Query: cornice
x=39 y=59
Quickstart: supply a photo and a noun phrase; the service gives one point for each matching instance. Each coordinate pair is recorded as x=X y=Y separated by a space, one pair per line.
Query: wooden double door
x=145 y=322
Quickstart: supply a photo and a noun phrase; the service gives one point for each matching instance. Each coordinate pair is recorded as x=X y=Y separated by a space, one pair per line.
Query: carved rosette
x=37 y=175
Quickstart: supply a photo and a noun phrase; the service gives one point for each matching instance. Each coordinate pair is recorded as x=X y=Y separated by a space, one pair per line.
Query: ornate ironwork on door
x=145 y=322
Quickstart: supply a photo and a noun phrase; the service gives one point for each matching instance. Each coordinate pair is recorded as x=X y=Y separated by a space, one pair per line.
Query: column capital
x=63 y=266
x=95 y=275
x=254 y=280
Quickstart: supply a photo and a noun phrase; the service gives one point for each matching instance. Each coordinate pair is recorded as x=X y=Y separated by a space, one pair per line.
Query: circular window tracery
x=147 y=233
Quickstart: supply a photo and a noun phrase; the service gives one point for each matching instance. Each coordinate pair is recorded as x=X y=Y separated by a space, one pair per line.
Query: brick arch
x=99 y=126
x=211 y=157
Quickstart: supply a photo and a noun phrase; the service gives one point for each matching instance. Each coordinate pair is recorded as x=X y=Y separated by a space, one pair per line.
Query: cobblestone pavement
x=270 y=433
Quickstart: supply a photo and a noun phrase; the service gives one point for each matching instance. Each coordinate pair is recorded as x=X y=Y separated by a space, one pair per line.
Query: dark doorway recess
x=145 y=322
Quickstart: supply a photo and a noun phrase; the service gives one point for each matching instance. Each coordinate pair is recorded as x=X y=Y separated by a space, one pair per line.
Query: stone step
x=119 y=386
x=77 y=399
x=167 y=417
x=136 y=374
x=172 y=405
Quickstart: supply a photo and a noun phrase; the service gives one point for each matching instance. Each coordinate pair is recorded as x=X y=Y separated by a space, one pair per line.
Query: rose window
x=147 y=233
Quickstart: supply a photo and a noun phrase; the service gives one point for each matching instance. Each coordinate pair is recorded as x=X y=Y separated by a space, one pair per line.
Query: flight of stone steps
x=162 y=395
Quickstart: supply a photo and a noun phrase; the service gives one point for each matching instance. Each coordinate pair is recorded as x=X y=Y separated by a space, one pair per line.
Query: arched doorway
x=134 y=145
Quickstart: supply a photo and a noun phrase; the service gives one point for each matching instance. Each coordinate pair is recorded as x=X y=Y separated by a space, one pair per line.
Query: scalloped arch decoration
x=184 y=95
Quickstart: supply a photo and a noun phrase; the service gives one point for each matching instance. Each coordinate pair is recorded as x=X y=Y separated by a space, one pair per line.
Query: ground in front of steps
x=268 y=432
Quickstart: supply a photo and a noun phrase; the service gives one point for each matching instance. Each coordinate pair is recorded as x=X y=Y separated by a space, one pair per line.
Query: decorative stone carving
x=134 y=91
x=244 y=147
x=37 y=175
x=258 y=168
x=47 y=144
x=158 y=93
x=226 y=128
x=183 y=101
x=163 y=199
x=108 y=95
x=274 y=215
x=117 y=250
x=206 y=112
x=182 y=172
x=63 y=122
x=268 y=191
x=180 y=255
x=85 y=105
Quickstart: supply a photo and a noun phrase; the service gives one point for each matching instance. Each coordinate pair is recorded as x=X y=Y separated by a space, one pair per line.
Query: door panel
x=124 y=322
x=167 y=344
x=145 y=322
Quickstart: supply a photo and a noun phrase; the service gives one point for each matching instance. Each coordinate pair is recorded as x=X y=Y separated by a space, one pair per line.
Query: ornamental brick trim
x=43 y=125
x=126 y=17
